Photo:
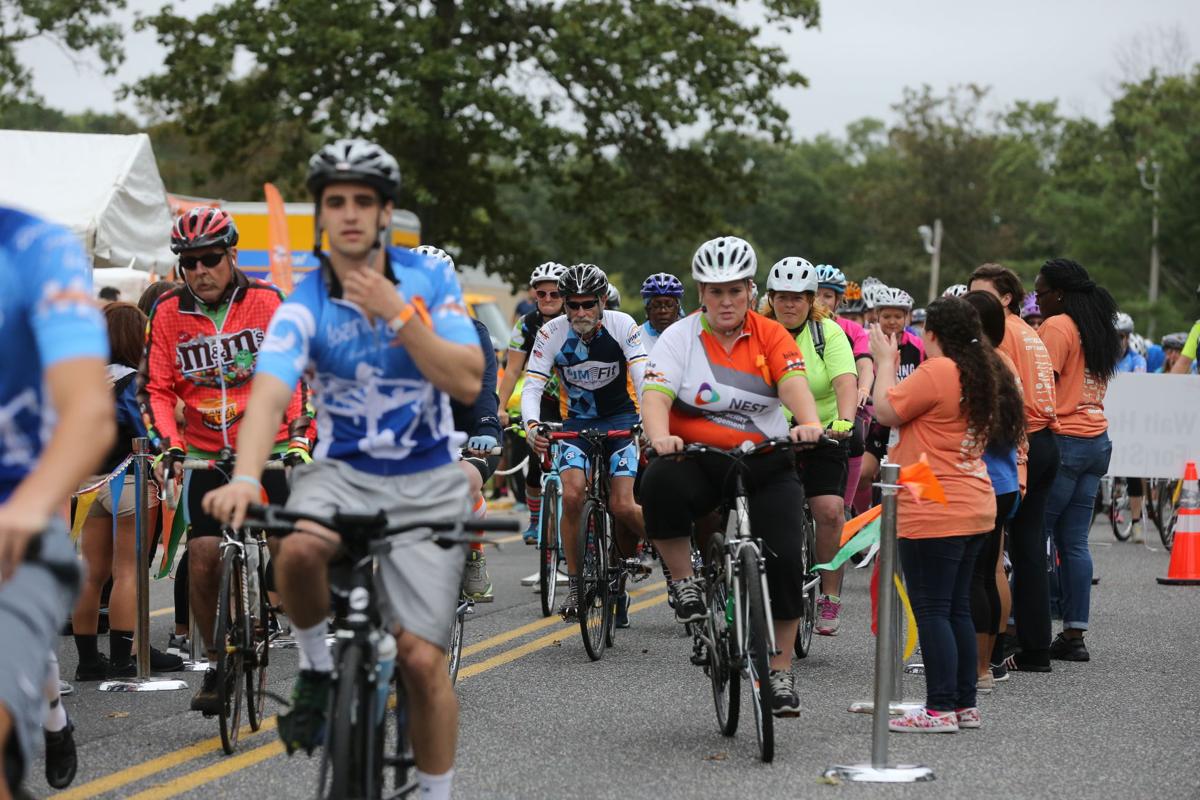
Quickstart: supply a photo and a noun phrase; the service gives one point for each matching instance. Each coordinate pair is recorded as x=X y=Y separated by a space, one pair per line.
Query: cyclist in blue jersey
x=663 y=295
x=598 y=357
x=1131 y=359
x=56 y=425
x=386 y=342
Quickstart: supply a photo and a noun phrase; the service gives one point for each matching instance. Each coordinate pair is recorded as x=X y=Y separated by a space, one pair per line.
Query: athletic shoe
x=477 y=584
x=65 y=689
x=968 y=718
x=97 y=670
x=1069 y=648
x=303 y=726
x=985 y=683
x=1136 y=535
x=530 y=536
x=1015 y=663
x=206 y=699
x=999 y=673
x=921 y=720
x=785 y=700
x=689 y=600
x=178 y=645
x=829 y=608
x=569 y=610
x=61 y=759
x=622 y=620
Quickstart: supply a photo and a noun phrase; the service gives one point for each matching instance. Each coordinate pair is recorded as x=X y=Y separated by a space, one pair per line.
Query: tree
x=75 y=25
x=594 y=99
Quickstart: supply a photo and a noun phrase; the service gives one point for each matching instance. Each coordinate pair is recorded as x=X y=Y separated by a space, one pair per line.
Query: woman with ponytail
x=945 y=412
x=1081 y=337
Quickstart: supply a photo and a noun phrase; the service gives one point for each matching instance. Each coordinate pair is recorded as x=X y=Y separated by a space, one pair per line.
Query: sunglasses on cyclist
x=209 y=260
x=552 y=295
x=582 y=304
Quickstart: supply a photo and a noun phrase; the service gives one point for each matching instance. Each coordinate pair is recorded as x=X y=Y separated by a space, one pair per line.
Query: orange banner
x=278 y=247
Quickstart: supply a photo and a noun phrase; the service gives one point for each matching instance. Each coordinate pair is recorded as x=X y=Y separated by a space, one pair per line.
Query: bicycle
x=241 y=635
x=353 y=761
x=457 y=629
x=738 y=634
x=550 y=555
x=602 y=568
x=1163 y=498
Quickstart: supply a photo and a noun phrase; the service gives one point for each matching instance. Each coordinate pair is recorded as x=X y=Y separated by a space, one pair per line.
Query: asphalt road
x=538 y=720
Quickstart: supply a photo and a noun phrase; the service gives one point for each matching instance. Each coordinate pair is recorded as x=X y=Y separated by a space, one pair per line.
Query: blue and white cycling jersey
x=1132 y=361
x=47 y=315
x=375 y=410
x=649 y=336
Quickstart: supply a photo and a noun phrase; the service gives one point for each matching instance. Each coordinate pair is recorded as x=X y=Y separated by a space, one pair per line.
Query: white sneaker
x=968 y=718
x=920 y=720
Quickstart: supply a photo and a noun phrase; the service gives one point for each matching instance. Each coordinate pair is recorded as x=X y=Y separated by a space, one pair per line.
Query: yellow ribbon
x=910 y=641
x=81 y=511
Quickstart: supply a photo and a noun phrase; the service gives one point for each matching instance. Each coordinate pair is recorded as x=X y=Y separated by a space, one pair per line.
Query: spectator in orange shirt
x=946 y=411
x=1081 y=337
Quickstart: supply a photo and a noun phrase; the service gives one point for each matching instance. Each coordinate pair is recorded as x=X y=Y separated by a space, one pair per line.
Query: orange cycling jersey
x=724 y=398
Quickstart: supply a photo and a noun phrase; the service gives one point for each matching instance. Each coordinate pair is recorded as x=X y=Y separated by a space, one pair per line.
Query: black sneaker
x=164 y=662
x=93 y=670
x=569 y=610
x=622 y=620
x=1069 y=648
x=785 y=701
x=999 y=672
x=61 y=759
x=1019 y=662
x=303 y=727
x=207 y=699
x=689 y=601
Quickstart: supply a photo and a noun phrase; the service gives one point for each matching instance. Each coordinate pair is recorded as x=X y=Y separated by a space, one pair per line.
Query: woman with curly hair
x=945 y=411
x=1082 y=339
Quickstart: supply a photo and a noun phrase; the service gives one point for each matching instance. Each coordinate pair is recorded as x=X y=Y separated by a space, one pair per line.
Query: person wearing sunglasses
x=202 y=346
x=544 y=282
x=598 y=357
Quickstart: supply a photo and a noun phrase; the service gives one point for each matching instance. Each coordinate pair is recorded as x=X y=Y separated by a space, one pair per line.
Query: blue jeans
x=1082 y=463
x=937 y=576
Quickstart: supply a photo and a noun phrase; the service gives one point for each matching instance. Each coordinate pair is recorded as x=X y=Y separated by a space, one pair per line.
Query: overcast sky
x=857 y=62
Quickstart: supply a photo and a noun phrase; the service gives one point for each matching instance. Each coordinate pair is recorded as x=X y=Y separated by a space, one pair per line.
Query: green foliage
x=75 y=25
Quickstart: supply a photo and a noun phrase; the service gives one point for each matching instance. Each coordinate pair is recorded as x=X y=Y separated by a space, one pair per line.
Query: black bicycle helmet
x=354 y=161
x=584 y=279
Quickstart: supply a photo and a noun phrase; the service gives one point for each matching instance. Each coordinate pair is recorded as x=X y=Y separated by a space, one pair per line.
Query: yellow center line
x=174 y=759
x=158 y=612
x=249 y=758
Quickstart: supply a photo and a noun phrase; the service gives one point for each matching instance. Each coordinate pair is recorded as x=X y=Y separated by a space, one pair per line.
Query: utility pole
x=932 y=239
x=1152 y=186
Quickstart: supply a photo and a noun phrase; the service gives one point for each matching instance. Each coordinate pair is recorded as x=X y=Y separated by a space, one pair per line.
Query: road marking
x=137 y=772
x=545 y=622
x=159 y=612
x=144 y=770
x=515 y=537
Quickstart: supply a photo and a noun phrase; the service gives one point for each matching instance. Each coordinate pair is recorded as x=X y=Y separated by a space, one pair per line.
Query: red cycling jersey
x=189 y=357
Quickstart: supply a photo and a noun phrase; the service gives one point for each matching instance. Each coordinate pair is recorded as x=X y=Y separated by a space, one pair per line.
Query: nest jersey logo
x=590 y=374
x=203 y=359
x=707 y=394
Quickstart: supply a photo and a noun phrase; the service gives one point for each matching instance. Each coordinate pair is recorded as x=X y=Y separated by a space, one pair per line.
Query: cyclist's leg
x=824 y=476
x=204 y=557
x=774 y=505
x=675 y=493
x=622 y=468
x=477 y=584
x=533 y=497
x=571 y=464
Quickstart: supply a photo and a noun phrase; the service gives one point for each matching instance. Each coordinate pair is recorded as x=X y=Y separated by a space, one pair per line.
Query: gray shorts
x=34 y=603
x=418 y=583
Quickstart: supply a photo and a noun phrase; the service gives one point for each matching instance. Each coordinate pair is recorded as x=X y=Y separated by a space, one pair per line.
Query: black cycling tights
x=676 y=493
x=985 y=595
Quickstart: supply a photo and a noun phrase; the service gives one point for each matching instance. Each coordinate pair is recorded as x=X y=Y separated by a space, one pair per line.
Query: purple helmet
x=1029 y=308
x=661 y=284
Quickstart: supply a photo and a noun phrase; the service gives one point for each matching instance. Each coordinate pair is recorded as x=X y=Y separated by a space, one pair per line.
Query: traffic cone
x=1185 y=554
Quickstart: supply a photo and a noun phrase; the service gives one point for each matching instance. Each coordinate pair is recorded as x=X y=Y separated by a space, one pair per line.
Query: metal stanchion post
x=886 y=680
x=143 y=682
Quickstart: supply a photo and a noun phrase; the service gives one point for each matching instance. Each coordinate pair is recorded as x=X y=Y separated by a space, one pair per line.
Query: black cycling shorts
x=824 y=470
x=204 y=481
x=486 y=466
x=877 y=440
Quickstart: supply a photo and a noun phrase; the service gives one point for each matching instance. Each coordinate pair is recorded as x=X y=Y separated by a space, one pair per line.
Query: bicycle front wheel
x=808 y=617
x=549 y=548
x=343 y=758
x=1168 y=511
x=1119 y=512
x=594 y=603
x=723 y=674
x=258 y=656
x=757 y=659
x=230 y=644
x=454 y=650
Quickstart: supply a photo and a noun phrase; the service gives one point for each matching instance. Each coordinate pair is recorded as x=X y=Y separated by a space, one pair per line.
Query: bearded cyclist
x=202 y=346
x=722 y=377
x=389 y=343
x=479 y=423
x=662 y=294
x=544 y=283
x=598 y=357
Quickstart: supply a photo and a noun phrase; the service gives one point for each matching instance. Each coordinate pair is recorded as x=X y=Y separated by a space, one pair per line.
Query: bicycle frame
x=742 y=538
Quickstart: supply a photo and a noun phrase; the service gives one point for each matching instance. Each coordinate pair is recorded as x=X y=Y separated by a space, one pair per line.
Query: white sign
x=1154 y=424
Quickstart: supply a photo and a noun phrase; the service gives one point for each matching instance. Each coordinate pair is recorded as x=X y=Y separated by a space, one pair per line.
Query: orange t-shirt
x=1034 y=369
x=1080 y=405
x=929 y=403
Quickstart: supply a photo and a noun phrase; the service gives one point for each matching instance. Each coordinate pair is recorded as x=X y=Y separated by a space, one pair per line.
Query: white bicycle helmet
x=1137 y=343
x=889 y=297
x=869 y=288
x=550 y=271
x=613 y=301
x=1124 y=322
x=792 y=274
x=436 y=253
x=726 y=258
x=957 y=290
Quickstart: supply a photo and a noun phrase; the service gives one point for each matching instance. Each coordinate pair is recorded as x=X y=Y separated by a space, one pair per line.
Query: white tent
x=104 y=187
